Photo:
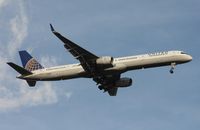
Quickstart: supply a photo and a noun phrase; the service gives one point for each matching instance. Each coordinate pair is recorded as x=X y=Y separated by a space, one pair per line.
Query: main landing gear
x=172 y=68
x=100 y=81
x=102 y=88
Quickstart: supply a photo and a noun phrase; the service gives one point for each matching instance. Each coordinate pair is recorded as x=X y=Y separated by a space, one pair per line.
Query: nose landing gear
x=171 y=71
x=172 y=68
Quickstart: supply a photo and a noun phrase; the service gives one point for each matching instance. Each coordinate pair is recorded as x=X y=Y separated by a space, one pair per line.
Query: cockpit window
x=183 y=53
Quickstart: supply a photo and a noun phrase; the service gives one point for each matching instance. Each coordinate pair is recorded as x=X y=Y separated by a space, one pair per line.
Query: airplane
x=105 y=70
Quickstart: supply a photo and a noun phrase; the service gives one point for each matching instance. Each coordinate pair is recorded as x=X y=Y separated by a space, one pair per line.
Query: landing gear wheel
x=172 y=68
x=100 y=87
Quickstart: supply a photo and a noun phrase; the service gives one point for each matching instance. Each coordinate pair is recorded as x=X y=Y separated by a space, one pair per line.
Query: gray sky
x=156 y=100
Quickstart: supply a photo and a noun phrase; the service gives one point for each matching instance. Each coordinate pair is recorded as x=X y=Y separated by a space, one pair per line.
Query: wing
x=86 y=58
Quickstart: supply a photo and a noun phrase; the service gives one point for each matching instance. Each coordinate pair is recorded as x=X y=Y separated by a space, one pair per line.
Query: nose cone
x=189 y=58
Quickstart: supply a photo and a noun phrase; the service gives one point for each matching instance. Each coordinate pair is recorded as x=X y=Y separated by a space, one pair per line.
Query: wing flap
x=112 y=91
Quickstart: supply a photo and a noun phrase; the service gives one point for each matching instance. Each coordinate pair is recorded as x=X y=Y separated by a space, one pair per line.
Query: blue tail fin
x=28 y=62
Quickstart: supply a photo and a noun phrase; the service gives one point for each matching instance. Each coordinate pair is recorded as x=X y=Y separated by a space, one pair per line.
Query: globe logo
x=32 y=65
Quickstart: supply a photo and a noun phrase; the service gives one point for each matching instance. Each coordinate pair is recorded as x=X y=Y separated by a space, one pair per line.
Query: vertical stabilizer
x=28 y=62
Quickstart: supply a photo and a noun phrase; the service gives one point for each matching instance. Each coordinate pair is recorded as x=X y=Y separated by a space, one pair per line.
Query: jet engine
x=123 y=82
x=105 y=62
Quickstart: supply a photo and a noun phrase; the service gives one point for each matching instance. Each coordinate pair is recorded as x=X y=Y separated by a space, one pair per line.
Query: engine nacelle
x=124 y=82
x=105 y=61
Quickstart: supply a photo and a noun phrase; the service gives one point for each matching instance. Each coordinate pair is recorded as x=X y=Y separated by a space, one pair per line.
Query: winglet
x=52 y=29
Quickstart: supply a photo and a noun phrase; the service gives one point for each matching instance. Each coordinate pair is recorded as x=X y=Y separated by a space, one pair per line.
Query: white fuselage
x=120 y=65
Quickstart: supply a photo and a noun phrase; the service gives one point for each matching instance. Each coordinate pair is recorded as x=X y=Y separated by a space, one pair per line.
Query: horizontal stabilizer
x=19 y=69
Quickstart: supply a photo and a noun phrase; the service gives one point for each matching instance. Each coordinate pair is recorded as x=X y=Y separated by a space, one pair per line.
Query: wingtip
x=52 y=29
